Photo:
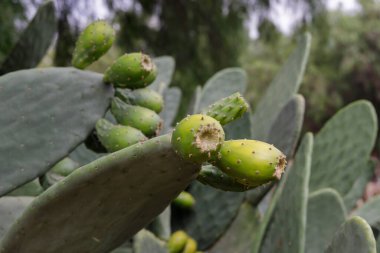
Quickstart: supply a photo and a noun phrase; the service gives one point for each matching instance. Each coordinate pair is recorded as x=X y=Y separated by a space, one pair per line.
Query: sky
x=285 y=17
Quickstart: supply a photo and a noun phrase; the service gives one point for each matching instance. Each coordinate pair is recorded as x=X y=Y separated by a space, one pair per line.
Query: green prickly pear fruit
x=228 y=109
x=144 y=97
x=59 y=171
x=198 y=138
x=251 y=162
x=144 y=119
x=116 y=137
x=184 y=200
x=93 y=42
x=177 y=241
x=133 y=71
x=191 y=246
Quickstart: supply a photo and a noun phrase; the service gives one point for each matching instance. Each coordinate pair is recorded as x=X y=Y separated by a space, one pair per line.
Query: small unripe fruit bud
x=177 y=242
x=141 y=118
x=144 y=97
x=133 y=71
x=198 y=138
x=184 y=200
x=251 y=162
x=93 y=42
x=117 y=137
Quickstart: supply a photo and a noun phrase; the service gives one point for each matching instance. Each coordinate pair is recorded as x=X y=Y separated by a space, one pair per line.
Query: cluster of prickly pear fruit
x=180 y=242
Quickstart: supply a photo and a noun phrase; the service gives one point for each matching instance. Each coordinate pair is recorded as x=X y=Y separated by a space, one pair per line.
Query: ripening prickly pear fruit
x=92 y=43
x=116 y=137
x=144 y=97
x=251 y=162
x=133 y=71
x=59 y=171
x=177 y=241
x=197 y=138
x=184 y=200
x=191 y=246
x=144 y=119
x=228 y=109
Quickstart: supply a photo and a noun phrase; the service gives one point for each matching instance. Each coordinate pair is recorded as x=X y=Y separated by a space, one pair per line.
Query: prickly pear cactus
x=45 y=114
x=325 y=213
x=145 y=242
x=354 y=236
x=33 y=42
x=337 y=163
x=32 y=188
x=126 y=201
x=172 y=99
x=283 y=87
x=370 y=212
x=165 y=69
x=284 y=225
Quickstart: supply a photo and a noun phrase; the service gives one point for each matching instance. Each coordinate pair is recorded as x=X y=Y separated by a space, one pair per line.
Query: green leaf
x=33 y=42
x=354 y=236
x=325 y=214
x=100 y=205
x=284 y=86
x=45 y=113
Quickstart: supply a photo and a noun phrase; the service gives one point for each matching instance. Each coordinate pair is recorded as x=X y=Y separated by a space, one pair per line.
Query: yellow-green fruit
x=177 y=241
x=93 y=42
x=133 y=71
x=198 y=138
x=148 y=98
x=251 y=162
x=144 y=119
x=117 y=137
x=191 y=246
x=184 y=200
x=59 y=171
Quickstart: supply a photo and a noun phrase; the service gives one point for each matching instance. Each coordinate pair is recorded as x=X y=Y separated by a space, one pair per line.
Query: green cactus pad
x=195 y=100
x=378 y=244
x=198 y=138
x=45 y=113
x=370 y=212
x=251 y=162
x=165 y=69
x=343 y=146
x=94 y=41
x=11 y=209
x=116 y=137
x=284 y=225
x=177 y=241
x=184 y=200
x=172 y=98
x=284 y=86
x=32 y=188
x=325 y=214
x=145 y=120
x=221 y=85
x=61 y=170
x=131 y=188
x=34 y=41
x=160 y=226
x=357 y=189
x=211 y=216
x=228 y=109
x=354 y=236
x=146 y=242
x=133 y=71
x=214 y=177
x=239 y=236
x=284 y=135
x=82 y=155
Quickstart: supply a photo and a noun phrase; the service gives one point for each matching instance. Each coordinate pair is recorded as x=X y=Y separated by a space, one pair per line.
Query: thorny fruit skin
x=228 y=109
x=191 y=246
x=117 y=137
x=133 y=71
x=144 y=97
x=95 y=40
x=251 y=162
x=141 y=118
x=184 y=200
x=177 y=241
x=198 y=138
